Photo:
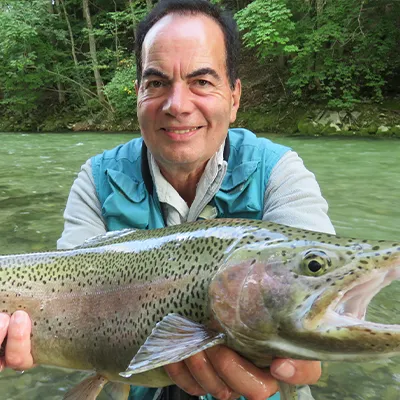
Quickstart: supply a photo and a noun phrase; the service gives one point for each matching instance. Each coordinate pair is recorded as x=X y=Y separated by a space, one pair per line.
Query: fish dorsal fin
x=88 y=389
x=106 y=238
x=173 y=339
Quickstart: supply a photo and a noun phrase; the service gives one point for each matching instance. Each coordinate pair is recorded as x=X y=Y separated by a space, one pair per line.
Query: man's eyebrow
x=204 y=71
x=154 y=72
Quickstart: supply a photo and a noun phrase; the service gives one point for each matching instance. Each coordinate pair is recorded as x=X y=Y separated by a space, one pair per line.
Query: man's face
x=185 y=102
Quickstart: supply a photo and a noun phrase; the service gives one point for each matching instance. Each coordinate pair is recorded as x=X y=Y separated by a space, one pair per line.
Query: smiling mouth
x=181 y=131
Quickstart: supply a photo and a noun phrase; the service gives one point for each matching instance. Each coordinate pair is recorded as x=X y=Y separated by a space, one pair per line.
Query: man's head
x=192 y=7
x=186 y=99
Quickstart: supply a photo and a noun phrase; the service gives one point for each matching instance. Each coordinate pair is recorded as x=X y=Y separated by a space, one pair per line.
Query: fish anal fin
x=88 y=389
x=116 y=391
x=173 y=339
x=291 y=392
x=287 y=391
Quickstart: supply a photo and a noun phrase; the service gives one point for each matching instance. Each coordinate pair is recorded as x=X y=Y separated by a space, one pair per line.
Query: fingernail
x=285 y=370
x=19 y=317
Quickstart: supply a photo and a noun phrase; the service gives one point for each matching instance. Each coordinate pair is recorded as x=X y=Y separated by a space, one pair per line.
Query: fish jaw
x=270 y=305
x=341 y=326
x=330 y=323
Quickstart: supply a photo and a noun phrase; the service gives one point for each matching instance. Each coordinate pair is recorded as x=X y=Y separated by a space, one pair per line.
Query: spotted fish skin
x=93 y=307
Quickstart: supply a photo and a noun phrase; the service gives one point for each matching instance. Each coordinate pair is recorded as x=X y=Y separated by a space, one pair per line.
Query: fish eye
x=315 y=262
x=314 y=266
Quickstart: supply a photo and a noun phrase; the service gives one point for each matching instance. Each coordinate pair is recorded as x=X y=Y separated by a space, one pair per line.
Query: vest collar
x=147 y=179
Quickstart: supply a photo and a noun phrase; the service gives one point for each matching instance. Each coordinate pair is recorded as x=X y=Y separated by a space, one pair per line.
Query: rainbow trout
x=129 y=302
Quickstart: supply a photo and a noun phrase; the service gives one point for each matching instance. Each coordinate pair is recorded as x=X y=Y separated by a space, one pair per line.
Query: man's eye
x=155 y=84
x=203 y=82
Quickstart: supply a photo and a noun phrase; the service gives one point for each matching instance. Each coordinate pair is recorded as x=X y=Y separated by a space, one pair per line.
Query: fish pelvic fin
x=291 y=392
x=173 y=339
x=88 y=389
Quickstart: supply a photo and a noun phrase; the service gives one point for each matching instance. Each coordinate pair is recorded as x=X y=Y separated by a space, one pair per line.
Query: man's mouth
x=181 y=131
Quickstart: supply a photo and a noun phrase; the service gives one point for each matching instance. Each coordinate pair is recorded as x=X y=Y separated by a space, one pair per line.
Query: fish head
x=307 y=298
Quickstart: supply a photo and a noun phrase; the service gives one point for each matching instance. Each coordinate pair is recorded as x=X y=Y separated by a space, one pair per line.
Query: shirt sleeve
x=82 y=215
x=293 y=197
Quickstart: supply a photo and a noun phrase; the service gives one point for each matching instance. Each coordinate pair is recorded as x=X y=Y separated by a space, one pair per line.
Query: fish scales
x=269 y=289
x=120 y=291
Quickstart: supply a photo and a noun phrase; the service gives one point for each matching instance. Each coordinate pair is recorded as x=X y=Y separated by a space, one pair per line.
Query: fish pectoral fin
x=291 y=392
x=116 y=391
x=173 y=339
x=88 y=389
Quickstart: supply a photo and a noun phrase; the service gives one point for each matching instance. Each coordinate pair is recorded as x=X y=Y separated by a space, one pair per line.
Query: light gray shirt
x=292 y=197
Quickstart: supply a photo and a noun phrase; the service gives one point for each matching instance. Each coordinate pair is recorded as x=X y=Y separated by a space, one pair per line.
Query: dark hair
x=184 y=7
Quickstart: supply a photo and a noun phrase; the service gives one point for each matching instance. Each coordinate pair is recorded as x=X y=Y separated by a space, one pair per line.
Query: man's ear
x=235 y=100
x=136 y=87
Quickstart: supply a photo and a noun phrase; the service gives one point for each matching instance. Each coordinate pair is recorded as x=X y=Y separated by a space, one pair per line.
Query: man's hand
x=17 y=328
x=226 y=375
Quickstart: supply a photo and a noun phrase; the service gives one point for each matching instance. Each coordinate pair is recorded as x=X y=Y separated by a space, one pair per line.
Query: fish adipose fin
x=88 y=389
x=291 y=392
x=173 y=339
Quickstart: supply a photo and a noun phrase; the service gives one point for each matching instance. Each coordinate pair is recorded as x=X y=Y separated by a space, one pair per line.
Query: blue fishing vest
x=129 y=200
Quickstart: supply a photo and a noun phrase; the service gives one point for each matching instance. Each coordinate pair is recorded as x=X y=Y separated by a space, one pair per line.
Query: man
x=189 y=167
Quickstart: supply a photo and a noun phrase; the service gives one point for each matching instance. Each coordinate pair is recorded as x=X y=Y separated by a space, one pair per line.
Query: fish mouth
x=349 y=308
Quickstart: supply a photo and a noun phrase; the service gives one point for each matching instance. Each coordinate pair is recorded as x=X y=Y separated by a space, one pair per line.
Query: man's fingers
x=18 y=349
x=241 y=375
x=4 y=322
x=224 y=374
x=182 y=377
x=205 y=374
x=296 y=372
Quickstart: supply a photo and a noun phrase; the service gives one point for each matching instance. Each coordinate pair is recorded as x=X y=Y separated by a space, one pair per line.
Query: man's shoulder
x=244 y=141
x=130 y=151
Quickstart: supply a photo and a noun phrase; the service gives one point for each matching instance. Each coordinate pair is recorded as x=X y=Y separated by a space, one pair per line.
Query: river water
x=360 y=178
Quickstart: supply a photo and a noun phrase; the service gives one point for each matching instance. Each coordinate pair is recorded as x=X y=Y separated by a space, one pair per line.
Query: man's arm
x=82 y=215
x=293 y=197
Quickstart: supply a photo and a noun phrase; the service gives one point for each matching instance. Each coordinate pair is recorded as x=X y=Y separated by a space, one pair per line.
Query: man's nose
x=178 y=100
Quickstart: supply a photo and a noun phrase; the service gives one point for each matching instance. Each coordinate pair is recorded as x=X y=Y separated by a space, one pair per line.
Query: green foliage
x=26 y=53
x=337 y=51
x=121 y=89
x=267 y=26
x=347 y=55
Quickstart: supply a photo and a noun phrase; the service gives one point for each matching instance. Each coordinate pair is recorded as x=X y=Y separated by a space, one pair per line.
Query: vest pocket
x=241 y=196
x=127 y=205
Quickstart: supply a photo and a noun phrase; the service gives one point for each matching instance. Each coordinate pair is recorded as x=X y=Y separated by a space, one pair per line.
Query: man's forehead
x=198 y=27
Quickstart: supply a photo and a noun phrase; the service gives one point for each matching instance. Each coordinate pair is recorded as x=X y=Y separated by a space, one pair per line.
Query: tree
x=93 y=52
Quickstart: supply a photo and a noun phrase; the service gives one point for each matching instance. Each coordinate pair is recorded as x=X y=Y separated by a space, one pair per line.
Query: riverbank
x=364 y=120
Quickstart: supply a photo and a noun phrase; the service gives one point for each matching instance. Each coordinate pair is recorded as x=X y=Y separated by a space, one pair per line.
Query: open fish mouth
x=349 y=308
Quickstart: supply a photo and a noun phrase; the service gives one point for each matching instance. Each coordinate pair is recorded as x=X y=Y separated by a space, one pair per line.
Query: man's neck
x=184 y=182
